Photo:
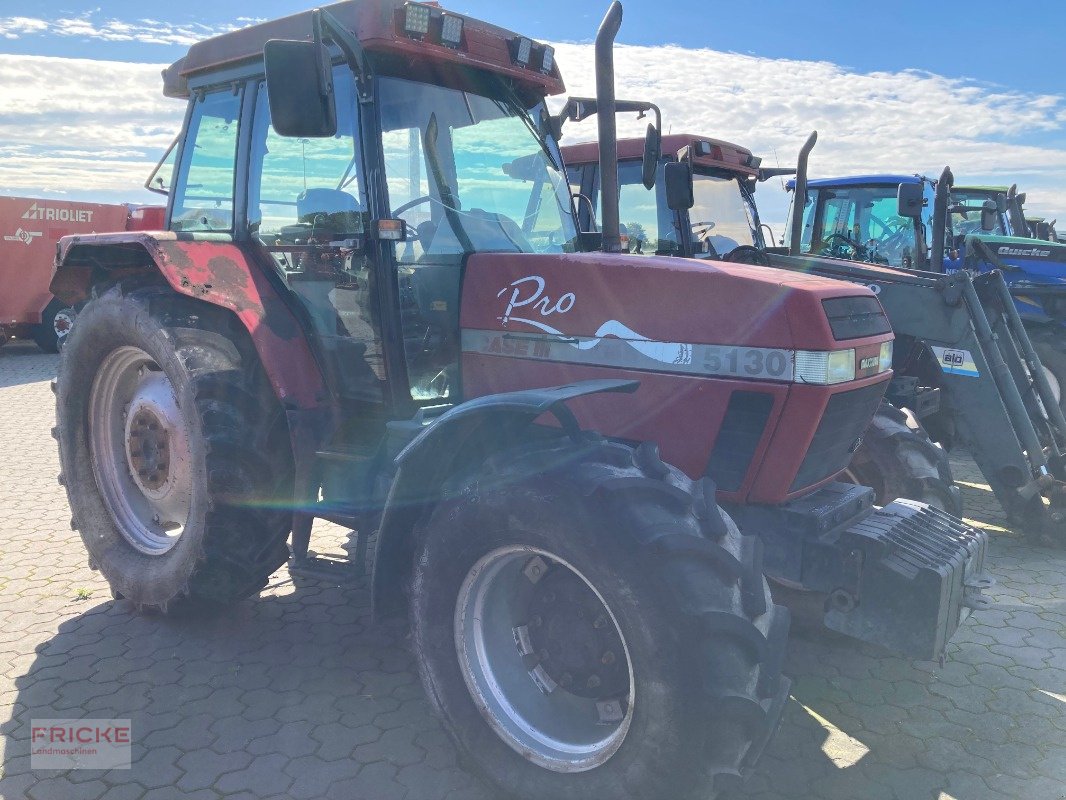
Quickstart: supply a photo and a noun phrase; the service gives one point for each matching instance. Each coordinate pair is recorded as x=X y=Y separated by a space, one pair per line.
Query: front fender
x=456 y=440
x=217 y=272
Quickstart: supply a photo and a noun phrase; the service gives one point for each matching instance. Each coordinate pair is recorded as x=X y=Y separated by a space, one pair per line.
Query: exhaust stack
x=940 y=219
x=608 y=129
x=799 y=198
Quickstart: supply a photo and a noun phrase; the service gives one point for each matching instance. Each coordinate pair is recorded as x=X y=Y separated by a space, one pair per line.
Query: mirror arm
x=349 y=45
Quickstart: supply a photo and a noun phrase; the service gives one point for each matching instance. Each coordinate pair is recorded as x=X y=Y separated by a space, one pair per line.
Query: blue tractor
x=916 y=222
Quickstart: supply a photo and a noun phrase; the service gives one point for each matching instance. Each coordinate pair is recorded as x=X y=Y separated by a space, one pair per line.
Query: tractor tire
x=544 y=574
x=44 y=334
x=1053 y=357
x=174 y=451
x=899 y=460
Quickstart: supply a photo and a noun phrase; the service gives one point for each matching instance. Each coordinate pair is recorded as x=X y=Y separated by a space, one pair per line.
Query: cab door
x=308 y=212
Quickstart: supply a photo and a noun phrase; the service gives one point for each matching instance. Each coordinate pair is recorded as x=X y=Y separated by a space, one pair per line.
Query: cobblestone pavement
x=296 y=695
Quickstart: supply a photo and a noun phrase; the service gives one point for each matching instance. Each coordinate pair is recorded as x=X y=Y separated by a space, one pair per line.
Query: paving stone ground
x=295 y=695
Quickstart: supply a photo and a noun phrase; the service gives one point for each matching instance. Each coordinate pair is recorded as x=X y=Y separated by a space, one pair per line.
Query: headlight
x=825 y=368
x=886 y=357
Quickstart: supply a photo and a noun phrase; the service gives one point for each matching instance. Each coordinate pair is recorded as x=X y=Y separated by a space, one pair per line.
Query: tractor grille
x=845 y=421
x=742 y=429
x=856 y=317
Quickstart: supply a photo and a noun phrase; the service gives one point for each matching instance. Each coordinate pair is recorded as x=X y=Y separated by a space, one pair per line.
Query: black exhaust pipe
x=607 y=106
x=940 y=219
x=799 y=197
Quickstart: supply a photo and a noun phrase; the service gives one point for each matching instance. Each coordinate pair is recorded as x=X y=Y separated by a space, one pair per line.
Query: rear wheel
x=899 y=460
x=174 y=452
x=589 y=624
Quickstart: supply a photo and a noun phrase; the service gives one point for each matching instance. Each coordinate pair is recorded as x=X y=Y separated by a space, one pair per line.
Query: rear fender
x=460 y=438
x=220 y=273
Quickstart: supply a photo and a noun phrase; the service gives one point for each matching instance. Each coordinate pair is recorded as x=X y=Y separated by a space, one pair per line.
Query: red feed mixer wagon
x=30 y=229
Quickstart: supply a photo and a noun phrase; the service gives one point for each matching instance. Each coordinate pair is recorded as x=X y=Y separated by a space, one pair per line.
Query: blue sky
x=905 y=86
x=1019 y=47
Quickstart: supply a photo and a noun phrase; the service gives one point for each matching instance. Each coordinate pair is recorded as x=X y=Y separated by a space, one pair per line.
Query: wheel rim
x=64 y=320
x=544 y=659
x=140 y=451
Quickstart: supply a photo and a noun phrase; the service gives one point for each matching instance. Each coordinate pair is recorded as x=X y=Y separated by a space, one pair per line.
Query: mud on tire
x=235 y=441
x=685 y=589
x=899 y=460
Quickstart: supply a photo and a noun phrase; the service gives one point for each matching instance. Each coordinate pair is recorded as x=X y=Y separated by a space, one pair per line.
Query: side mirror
x=910 y=198
x=989 y=216
x=300 y=89
x=678 y=177
x=653 y=151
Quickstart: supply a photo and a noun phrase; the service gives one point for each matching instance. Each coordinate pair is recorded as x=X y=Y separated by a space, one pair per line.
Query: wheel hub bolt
x=593 y=682
x=537 y=621
x=607 y=658
x=600 y=621
x=567 y=680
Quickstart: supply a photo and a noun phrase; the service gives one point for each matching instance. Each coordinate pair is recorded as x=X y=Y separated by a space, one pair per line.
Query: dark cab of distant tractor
x=300 y=88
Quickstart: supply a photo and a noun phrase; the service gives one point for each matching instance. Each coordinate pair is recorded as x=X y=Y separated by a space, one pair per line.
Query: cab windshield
x=471 y=172
x=967 y=223
x=723 y=215
x=860 y=223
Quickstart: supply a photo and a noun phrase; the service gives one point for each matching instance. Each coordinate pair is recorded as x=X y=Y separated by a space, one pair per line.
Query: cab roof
x=379 y=26
x=860 y=180
x=716 y=153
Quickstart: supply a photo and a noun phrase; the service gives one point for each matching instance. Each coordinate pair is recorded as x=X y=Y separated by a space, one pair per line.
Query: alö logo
x=49 y=214
x=530 y=293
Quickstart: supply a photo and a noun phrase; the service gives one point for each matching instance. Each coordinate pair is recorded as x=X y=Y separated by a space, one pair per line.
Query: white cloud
x=82 y=128
x=877 y=122
x=96 y=126
x=92 y=26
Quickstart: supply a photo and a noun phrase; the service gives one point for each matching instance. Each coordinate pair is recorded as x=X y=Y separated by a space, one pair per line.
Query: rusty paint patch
x=224 y=275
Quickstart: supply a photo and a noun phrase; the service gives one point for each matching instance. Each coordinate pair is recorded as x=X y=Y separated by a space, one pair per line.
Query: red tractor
x=371 y=304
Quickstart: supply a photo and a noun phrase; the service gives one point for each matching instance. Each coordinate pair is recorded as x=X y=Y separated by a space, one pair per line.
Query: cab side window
x=307 y=207
x=203 y=199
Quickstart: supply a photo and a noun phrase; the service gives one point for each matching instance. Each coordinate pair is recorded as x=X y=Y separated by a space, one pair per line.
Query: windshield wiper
x=515 y=104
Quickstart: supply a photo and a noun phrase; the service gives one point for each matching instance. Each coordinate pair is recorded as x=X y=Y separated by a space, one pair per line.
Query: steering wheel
x=837 y=245
x=747 y=254
x=416 y=202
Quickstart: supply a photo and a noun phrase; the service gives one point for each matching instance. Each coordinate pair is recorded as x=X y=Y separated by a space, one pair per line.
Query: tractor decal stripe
x=752 y=363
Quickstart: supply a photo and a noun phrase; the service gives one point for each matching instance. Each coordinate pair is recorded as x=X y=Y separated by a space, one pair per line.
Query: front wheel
x=899 y=460
x=589 y=624
x=1053 y=359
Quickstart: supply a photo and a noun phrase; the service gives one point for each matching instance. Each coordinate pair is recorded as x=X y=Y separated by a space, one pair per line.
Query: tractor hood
x=676 y=302
x=1042 y=260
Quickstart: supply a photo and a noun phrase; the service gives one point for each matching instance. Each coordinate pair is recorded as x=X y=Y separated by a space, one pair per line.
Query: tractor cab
x=408 y=175
x=860 y=219
x=968 y=203
x=723 y=215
